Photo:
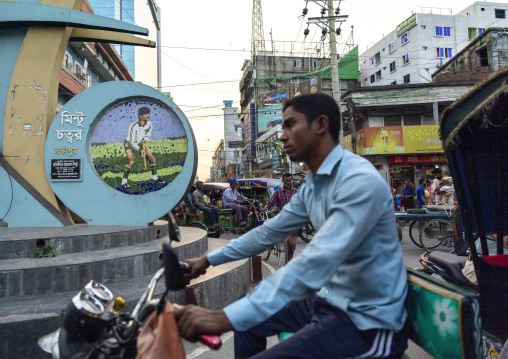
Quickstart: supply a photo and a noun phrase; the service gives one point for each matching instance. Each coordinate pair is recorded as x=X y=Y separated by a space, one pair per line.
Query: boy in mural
x=137 y=137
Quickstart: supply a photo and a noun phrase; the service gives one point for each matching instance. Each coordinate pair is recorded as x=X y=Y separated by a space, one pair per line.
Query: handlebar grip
x=211 y=341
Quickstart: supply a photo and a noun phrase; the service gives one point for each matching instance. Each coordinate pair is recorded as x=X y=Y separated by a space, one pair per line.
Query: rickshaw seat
x=226 y=210
x=452 y=263
x=443 y=319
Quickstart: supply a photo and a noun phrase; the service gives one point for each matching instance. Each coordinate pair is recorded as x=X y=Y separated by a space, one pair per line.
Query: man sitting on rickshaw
x=233 y=199
x=211 y=211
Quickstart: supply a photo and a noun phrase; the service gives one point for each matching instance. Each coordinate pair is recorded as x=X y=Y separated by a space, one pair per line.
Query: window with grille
x=377 y=58
x=500 y=13
x=298 y=63
x=378 y=75
x=77 y=70
x=439 y=31
x=68 y=62
x=393 y=120
x=407 y=79
x=483 y=57
x=447 y=31
x=392 y=66
x=443 y=52
x=404 y=39
x=412 y=120
x=405 y=59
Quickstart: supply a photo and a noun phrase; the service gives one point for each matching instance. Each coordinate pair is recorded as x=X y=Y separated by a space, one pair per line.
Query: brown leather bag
x=159 y=338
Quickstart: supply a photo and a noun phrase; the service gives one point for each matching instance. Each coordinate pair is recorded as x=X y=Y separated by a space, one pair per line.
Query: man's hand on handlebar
x=195 y=321
x=198 y=265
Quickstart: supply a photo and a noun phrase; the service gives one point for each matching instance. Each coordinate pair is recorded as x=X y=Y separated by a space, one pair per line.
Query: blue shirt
x=420 y=192
x=354 y=261
x=230 y=196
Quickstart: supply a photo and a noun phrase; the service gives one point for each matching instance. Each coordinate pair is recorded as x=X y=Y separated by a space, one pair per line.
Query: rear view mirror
x=173 y=230
x=173 y=272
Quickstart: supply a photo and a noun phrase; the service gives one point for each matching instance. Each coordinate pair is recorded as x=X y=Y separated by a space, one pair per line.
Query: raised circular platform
x=33 y=292
x=20 y=242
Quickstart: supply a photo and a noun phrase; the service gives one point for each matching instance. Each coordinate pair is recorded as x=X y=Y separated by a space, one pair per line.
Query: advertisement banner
x=270 y=105
x=348 y=143
x=360 y=142
x=383 y=140
x=395 y=139
x=422 y=139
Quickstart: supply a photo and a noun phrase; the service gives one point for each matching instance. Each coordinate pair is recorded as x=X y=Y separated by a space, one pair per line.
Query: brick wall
x=477 y=74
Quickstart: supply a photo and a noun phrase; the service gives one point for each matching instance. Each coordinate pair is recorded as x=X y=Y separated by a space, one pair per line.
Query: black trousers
x=321 y=331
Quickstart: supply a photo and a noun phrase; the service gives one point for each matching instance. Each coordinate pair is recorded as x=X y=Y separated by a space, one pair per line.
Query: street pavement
x=197 y=350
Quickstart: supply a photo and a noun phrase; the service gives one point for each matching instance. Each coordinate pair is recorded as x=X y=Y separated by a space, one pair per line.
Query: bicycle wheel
x=307 y=233
x=414 y=232
x=435 y=232
x=282 y=253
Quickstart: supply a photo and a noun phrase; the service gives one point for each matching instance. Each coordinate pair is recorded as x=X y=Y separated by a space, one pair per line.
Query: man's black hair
x=421 y=180
x=435 y=171
x=315 y=105
x=287 y=175
x=143 y=111
x=199 y=183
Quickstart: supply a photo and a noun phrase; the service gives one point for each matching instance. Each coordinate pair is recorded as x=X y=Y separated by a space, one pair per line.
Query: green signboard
x=406 y=25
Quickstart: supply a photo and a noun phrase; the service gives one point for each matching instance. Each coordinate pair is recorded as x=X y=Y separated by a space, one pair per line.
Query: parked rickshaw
x=185 y=216
x=260 y=189
x=453 y=321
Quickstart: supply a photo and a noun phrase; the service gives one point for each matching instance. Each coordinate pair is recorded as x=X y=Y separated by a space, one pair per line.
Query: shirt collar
x=328 y=164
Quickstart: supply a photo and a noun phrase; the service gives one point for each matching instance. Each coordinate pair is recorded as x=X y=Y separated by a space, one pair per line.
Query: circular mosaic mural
x=138 y=146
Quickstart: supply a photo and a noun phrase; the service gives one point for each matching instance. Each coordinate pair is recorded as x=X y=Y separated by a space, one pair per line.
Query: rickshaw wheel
x=414 y=231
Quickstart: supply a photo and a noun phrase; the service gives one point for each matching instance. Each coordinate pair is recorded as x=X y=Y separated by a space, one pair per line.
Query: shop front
x=413 y=167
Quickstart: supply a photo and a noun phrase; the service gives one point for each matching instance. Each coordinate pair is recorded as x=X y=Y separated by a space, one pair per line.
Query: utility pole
x=327 y=24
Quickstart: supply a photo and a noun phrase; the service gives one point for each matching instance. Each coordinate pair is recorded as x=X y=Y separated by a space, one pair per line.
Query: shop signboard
x=270 y=105
x=406 y=25
x=418 y=159
x=422 y=139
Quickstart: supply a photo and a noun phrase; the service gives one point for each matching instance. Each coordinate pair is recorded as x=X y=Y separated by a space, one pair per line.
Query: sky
x=204 y=44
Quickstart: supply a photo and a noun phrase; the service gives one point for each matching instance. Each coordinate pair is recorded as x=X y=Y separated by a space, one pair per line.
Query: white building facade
x=424 y=42
x=232 y=133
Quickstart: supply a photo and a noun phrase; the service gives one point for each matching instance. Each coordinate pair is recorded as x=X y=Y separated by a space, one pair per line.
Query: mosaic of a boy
x=139 y=134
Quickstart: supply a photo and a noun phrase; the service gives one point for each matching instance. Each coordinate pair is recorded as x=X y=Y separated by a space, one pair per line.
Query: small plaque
x=66 y=169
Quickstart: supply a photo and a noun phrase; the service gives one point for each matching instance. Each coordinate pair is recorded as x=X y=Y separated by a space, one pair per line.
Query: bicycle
x=280 y=249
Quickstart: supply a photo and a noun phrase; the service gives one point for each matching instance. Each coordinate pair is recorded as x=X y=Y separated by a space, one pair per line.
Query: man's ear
x=322 y=124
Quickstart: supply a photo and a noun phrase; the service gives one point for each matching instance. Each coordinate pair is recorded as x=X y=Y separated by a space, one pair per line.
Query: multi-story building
x=217 y=173
x=424 y=42
x=88 y=63
x=263 y=75
x=486 y=54
x=232 y=136
x=141 y=61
